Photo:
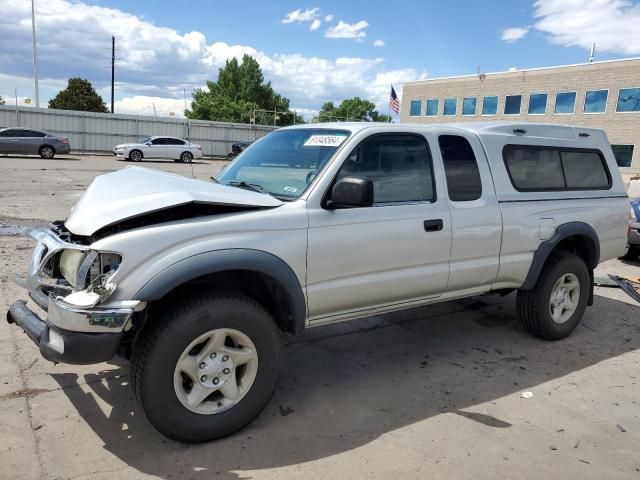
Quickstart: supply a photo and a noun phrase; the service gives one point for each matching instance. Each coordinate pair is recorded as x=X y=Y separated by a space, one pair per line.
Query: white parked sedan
x=174 y=148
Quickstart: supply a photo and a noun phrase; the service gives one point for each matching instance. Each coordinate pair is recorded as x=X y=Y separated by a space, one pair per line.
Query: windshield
x=284 y=162
x=145 y=140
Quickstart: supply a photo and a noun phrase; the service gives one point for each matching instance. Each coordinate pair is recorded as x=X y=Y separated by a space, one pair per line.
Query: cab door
x=395 y=252
x=476 y=220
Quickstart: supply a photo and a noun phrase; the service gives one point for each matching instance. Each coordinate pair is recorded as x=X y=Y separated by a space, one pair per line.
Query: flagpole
x=389 y=104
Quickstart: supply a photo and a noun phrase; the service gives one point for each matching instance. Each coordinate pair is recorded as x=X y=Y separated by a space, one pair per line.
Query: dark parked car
x=31 y=141
x=237 y=148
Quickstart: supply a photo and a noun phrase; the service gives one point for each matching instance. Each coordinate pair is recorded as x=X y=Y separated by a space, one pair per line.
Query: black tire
x=47 y=152
x=533 y=305
x=186 y=157
x=632 y=253
x=164 y=339
x=135 y=155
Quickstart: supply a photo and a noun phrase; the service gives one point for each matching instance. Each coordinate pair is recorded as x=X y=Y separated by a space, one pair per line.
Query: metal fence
x=99 y=132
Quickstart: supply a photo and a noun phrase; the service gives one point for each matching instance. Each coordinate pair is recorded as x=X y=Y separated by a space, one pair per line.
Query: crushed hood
x=135 y=191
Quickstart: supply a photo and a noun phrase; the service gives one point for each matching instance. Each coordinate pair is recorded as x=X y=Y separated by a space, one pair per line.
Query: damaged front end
x=71 y=282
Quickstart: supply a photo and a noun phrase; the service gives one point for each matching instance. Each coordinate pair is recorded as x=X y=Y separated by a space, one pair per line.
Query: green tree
x=352 y=109
x=239 y=92
x=79 y=95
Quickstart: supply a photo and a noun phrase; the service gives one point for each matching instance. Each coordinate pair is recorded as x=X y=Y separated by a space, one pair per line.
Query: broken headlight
x=84 y=268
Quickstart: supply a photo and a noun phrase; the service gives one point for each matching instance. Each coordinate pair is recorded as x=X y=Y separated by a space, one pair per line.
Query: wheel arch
x=578 y=238
x=263 y=276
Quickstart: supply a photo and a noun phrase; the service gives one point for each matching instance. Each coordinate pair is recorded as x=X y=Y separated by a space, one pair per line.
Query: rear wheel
x=47 y=151
x=186 y=157
x=555 y=306
x=207 y=367
x=135 y=155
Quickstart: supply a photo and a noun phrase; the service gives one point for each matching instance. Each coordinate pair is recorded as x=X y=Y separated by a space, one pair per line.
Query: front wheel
x=206 y=368
x=135 y=155
x=553 y=308
x=632 y=253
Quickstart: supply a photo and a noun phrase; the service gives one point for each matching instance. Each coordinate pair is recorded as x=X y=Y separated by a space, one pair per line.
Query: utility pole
x=35 y=52
x=113 y=69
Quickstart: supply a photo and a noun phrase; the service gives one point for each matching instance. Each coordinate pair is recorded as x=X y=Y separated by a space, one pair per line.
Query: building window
x=512 y=104
x=469 y=106
x=539 y=169
x=416 y=108
x=490 y=105
x=449 y=106
x=460 y=168
x=432 y=107
x=623 y=154
x=595 y=101
x=628 y=100
x=565 y=103
x=537 y=104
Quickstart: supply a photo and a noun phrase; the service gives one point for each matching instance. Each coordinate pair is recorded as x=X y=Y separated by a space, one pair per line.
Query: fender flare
x=230 y=259
x=562 y=232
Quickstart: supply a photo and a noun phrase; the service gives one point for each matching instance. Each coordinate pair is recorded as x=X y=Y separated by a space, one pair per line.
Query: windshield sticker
x=325 y=140
x=290 y=189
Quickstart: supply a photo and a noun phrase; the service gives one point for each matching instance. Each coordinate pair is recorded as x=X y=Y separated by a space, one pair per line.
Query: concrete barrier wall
x=99 y=132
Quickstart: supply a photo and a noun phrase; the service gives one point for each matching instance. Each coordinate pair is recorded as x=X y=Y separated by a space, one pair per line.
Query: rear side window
x=32 y=133
x=461 y=168
x=540 y=169
x=398 y=165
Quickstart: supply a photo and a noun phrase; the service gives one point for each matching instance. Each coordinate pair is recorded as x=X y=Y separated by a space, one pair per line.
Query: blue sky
x=312 y=51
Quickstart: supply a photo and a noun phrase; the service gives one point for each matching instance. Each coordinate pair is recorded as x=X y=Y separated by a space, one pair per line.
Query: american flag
x=394 y=103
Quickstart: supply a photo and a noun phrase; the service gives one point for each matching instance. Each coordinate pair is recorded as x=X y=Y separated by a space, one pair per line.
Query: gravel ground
x=433 y=392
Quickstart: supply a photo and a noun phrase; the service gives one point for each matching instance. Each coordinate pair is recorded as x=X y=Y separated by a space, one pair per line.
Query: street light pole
x=35 y=52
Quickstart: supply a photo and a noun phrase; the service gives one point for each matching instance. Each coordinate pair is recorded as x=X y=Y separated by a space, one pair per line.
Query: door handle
x=434 y=225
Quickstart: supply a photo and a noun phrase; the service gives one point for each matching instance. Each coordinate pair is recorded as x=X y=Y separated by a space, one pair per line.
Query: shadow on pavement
x=37 y=157
x=343 y=386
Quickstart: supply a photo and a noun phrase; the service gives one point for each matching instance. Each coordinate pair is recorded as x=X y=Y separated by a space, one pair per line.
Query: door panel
x=358 y=258
x=475 y=214
x=157 y=149
x=363 y=258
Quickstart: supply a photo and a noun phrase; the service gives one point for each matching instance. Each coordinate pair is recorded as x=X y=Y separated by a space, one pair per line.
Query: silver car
x=30 y=141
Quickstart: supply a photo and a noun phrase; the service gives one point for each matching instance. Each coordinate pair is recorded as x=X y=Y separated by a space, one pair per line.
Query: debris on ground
x=621 y=428
x=526 y=395
x=628 y=286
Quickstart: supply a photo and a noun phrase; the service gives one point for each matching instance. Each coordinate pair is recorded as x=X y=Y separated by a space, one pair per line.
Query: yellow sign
x=27 y=101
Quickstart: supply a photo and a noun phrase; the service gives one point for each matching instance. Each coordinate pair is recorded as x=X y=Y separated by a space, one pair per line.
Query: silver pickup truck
x=193 y=281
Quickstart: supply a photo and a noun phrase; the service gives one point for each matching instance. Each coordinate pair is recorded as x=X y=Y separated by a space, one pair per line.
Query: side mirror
x=351 y=192
x=148 y=144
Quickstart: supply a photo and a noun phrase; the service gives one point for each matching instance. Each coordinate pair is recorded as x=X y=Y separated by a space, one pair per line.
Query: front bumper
x=64 y=346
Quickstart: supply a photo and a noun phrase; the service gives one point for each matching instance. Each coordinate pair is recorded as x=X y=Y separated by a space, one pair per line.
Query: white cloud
x=379 y=43
x=315 y=25
x=328 y=18
x=612 y=24
x=143 y=51
x=514 y=34
x=144 y=105
x=348 y=30
x=299 y=15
